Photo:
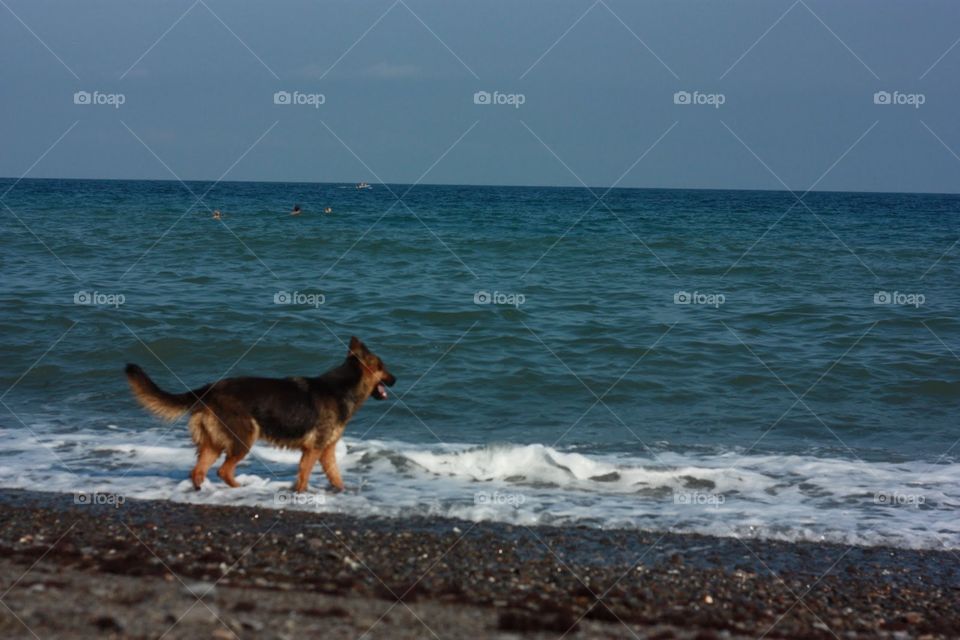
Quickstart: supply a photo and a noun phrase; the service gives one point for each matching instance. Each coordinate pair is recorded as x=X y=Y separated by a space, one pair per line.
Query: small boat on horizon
x=363 y=185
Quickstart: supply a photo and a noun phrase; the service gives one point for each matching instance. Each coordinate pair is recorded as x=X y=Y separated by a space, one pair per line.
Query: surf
x=909 y=504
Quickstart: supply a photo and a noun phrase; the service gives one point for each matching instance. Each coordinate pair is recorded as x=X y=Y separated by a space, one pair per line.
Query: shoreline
x=326 y=571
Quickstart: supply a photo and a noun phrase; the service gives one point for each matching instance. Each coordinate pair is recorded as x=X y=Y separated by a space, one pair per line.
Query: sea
x=758 y=364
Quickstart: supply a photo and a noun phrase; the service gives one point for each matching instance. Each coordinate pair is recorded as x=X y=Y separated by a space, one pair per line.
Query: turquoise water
x=784 y=355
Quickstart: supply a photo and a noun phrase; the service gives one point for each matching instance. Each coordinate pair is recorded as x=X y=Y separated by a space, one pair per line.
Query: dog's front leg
x=329 y=461
x=307 y=462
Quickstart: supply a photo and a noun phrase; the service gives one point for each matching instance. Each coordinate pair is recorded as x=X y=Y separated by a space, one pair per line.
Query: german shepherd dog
x=309 y=414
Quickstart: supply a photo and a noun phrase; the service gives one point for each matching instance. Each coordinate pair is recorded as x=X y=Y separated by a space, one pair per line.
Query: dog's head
x=374 y=371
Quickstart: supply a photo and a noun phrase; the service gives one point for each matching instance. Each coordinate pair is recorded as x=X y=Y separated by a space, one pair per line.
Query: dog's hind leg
x=307 y=462
x=329 y=461
x=228 y=468
x=237 y=453
x=206 y=456
x=207 y=450
x=242 y=435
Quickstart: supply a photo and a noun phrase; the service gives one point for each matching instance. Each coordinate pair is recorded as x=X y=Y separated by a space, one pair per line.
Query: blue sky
x=797 y=81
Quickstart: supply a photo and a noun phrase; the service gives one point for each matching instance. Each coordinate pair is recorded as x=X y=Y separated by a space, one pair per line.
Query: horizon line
x=475 y=185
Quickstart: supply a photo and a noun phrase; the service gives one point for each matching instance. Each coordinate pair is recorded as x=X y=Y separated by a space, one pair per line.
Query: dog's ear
x=357 y=348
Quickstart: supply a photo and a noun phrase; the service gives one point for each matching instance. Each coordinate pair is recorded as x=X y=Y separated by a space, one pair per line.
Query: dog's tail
x=168 y=406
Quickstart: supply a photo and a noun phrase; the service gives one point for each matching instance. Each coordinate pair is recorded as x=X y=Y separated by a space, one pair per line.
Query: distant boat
x=364 y=185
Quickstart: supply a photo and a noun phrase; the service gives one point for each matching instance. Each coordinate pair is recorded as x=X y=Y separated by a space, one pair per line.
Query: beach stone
x=524 y=621
x=199 y=589
x=328 y=612
x=106 y=623
x=198 y=615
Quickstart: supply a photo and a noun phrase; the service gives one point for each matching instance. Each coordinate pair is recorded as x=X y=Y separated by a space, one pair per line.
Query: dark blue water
x=788 y=349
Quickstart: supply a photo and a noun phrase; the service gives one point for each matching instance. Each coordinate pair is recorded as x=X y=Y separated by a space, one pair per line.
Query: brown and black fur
x=309 y=414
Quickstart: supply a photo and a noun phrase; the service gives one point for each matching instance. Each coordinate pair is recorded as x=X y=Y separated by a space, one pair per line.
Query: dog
x=309 y=414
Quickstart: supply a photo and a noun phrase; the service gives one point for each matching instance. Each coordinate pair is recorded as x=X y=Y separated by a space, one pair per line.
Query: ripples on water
x=797 y=360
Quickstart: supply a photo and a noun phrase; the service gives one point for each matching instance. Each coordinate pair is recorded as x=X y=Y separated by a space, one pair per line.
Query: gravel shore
x=146 y=569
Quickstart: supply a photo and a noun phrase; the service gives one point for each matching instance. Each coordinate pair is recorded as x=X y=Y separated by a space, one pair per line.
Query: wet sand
x=150 y=569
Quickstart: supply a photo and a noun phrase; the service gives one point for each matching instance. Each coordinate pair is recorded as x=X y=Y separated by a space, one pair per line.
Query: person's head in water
x=328 y=210
x=217 y=215
x=296 y=210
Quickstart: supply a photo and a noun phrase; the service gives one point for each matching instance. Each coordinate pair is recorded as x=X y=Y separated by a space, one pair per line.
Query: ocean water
x=548 y=368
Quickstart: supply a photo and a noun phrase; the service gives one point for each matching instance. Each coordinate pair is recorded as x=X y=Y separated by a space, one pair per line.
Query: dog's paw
x=187 y=486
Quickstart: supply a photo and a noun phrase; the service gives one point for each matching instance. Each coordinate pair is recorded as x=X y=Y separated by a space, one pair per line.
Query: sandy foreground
x=151 y=569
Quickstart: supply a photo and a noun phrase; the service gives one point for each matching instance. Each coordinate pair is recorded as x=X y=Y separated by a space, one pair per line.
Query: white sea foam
x=910 y=504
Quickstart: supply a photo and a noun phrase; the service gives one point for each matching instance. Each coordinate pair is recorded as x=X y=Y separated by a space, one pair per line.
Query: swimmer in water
x=328 y=210
x=296 y=210
x=217 y=215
